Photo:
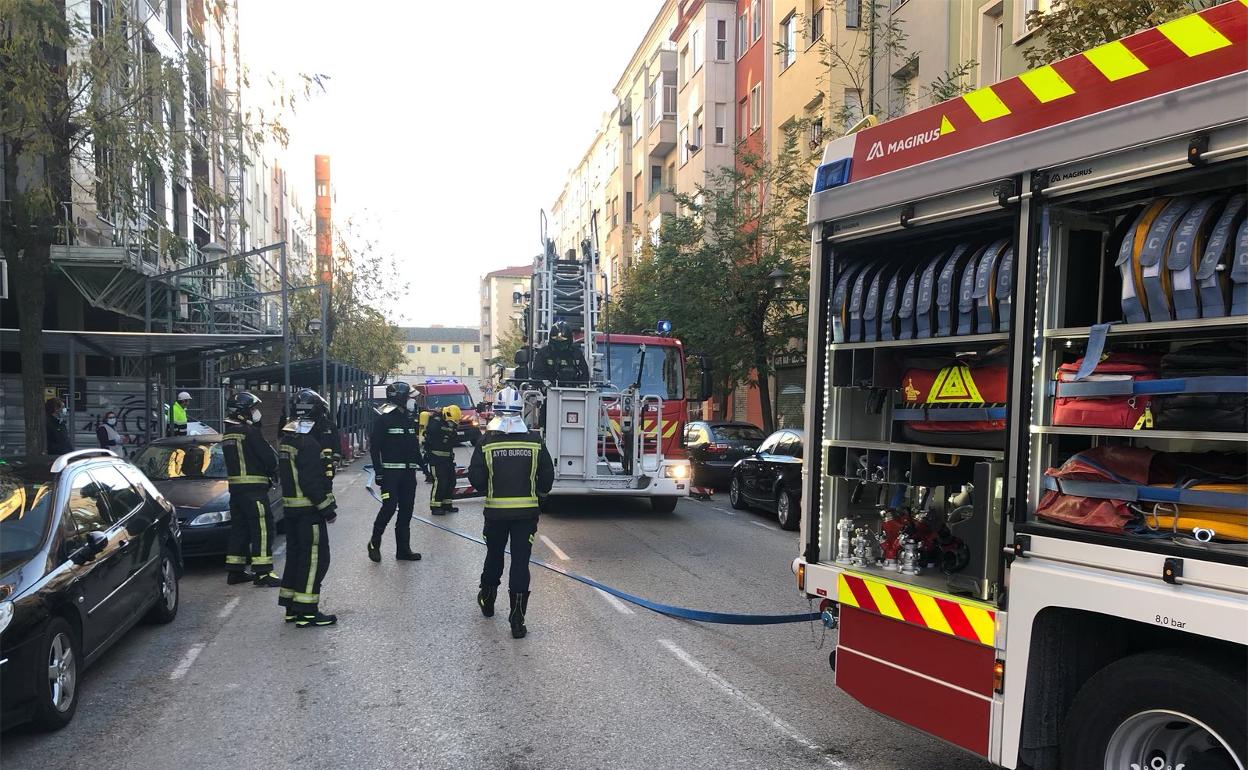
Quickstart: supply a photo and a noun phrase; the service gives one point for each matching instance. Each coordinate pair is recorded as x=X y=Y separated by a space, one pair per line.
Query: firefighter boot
x=449 y=508
x=374 y=551
x=519 y=603
x=237 y=576
x=485 y=600
x=308 y=621
x=267 y=580
x=405 y=553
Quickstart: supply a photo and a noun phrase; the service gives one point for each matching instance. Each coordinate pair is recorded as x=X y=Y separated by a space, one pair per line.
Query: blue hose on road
x=701 y=616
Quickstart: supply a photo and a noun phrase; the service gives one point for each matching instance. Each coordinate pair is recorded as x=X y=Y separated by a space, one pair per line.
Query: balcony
x=661 y=138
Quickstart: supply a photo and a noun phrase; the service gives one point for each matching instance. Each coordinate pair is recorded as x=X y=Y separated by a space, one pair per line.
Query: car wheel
x=788 y=510
x=58 y=678
x=665 y=504
x=734 y=494
x=1159 y=709
x=166 y=607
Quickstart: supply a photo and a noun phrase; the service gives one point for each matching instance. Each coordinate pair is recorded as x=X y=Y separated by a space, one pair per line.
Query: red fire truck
x=1025 y=508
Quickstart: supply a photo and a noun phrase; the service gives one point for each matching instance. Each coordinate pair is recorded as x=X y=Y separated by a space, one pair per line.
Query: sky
x=449 y=125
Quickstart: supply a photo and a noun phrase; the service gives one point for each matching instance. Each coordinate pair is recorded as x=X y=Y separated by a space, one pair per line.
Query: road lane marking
x=187 y=661
x=759 y=709
x=556 y=550
x=764 y=526
x=619 y=606
x=229 y=607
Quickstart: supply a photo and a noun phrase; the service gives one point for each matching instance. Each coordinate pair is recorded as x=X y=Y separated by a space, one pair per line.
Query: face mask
x=111 y=420
x=255 y=415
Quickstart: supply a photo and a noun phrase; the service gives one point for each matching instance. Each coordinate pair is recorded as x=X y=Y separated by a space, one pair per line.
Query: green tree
x=359 y=332
x=509 y=342
x=710 y=272
x=1073 y=26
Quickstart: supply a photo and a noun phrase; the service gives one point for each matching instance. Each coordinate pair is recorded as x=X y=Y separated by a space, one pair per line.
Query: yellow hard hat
x=452 y=413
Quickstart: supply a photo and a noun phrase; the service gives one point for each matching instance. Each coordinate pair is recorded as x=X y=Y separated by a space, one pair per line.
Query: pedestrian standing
x=107 y=433
x=511 y=463
x=56 y=427
x=309 y=507
x=177 y=414
x=250 y=464
x=440 y=443
x=395 y=449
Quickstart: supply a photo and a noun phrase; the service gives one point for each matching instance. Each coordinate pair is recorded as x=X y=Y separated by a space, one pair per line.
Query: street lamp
x=314 y=326
x=778 y=277
x=213 y=250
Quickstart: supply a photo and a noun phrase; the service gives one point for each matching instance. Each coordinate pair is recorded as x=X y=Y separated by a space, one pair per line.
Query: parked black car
x=771 y=478
x=88 y=547
x=190 y=472
x=715 y=446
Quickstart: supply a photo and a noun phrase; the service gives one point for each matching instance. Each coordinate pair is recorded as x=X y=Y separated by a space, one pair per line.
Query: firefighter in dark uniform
x=250 y=464
x=324 y=431
x=512 y=465
x=559 y=361
x=395 y=447
x=440 y=443
x=309 y=507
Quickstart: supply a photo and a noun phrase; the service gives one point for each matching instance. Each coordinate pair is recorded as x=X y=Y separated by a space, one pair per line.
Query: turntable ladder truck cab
x=619 y=434
x=1024 y=509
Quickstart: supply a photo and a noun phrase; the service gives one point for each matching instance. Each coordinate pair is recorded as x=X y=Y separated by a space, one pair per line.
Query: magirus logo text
x=879 y=149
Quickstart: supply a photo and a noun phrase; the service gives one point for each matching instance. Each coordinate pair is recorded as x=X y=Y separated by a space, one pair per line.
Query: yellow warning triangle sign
x=954 y=385
x=945 y=126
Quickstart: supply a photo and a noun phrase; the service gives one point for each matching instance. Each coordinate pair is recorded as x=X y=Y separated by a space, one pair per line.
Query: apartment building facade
x=440 y=351
x=503 y=298
x=706 y=85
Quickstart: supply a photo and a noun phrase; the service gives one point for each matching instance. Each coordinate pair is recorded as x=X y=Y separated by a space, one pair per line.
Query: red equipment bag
x=1115 y=464
x=961 y=404
x=1085 y=398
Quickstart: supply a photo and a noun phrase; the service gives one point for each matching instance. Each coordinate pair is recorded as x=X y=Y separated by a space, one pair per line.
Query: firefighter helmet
x=244 y=406
x=398 y=393
x=309 y=404
x=561 y=333
x=452 y=414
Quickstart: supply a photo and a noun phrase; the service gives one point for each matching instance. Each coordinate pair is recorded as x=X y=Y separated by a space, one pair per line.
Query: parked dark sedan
x=88 y=547
x=190 y=472
x=771 y=478
x=714 y=448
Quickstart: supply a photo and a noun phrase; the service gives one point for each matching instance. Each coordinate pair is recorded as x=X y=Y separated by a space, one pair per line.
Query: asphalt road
x=414 y=676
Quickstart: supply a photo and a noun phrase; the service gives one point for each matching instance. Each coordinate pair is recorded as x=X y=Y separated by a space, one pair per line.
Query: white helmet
x=508 y=401
x=184 y=396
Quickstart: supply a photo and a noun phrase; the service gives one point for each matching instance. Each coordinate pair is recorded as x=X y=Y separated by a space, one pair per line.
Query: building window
x=476 y=348
x=656 y=180
x=684 y=66
x=721 y=123
x=816 y=24
x=695 y=42
x=902 y=90
x=721 y=40
x=992 y=40
x=411 y=348
x=816 y=132
x=470 y=371
x=628 y=205
x=322 y=190
x=454 y=348
x=853 y=14
x=1023 y=8
x=743 y=27
x=788 y=37
x=433 y=348
x=697 y=131
x=743 y=122
x=756 y=106
x=683 y=140
x=756 y=31
x=441 y=370
x=420 y=370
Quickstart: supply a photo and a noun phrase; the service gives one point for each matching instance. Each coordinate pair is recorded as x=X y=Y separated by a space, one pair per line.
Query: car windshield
x=662 y=374
x=441 y=400
x=161 y=462
x=25 y=507
x=738 y=433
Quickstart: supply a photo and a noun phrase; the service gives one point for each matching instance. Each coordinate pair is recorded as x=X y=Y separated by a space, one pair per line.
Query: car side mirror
x=96 y=541
x=522 y=357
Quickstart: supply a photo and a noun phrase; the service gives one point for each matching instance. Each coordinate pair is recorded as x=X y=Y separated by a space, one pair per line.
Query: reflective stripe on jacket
x=513 y=470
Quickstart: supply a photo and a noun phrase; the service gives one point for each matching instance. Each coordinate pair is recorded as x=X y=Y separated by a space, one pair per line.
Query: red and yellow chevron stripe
x=927 y=609
x=1192 y=49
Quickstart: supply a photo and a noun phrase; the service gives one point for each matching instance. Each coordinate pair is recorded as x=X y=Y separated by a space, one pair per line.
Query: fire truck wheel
x=1160 y=709
x=665 y=504
x=788 y=510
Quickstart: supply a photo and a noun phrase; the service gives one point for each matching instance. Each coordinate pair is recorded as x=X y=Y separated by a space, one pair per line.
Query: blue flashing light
x=833 y=174
x=665 y=328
